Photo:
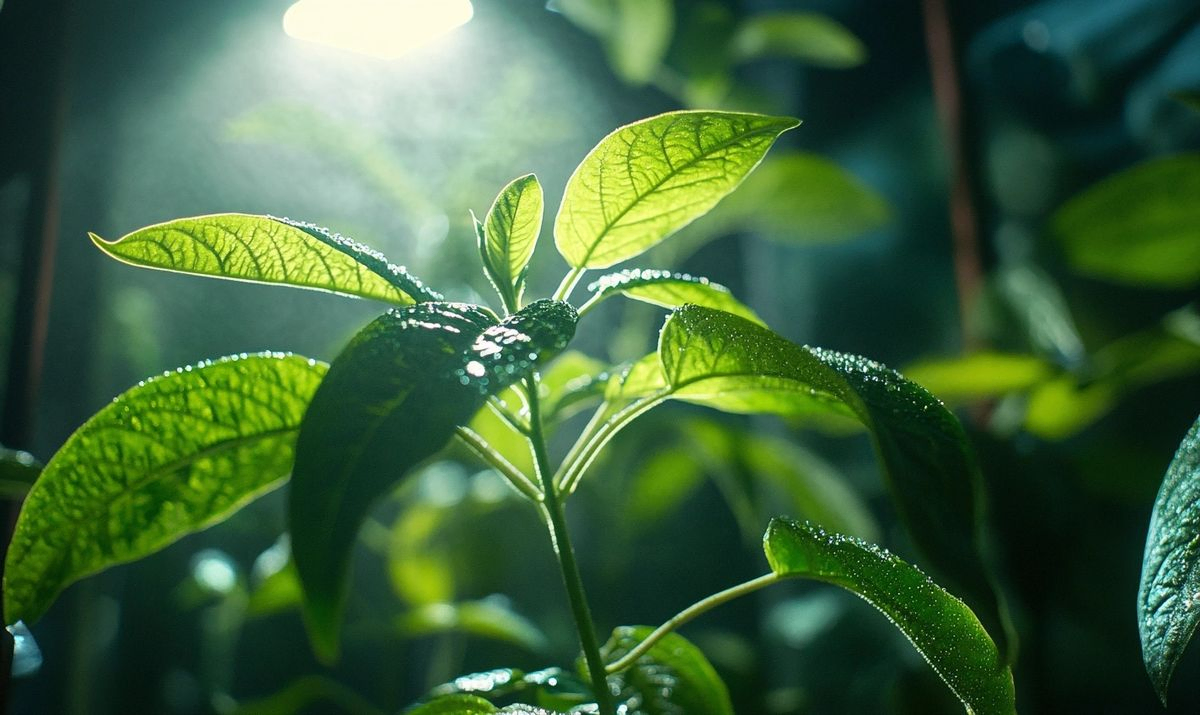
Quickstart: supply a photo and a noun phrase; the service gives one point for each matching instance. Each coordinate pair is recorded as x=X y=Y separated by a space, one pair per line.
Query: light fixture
x=380 y=28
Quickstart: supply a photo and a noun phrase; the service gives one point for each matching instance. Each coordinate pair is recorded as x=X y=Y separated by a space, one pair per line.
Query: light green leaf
x=265 y=249
x=1060 y=408
x=941 y=627
x=979 y=375
x=720 y=360
x=1167 y=597
x=393 y=398
x=510 y=233
x=669 y=290
x=418 y=565
x=809 y=37
x=648 y=179
x=672 y=677
x=18 y=471
x=171 y=456
x=572 y=381
x=489 y=618
x=1141 y=226
x=661 y=484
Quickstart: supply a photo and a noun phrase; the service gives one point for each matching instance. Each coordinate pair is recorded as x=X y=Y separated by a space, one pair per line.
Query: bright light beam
x=380 y=28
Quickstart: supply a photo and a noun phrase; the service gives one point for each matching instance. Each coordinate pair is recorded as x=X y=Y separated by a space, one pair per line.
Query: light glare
x=380 y=28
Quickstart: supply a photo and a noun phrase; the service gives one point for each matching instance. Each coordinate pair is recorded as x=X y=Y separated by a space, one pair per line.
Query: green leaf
x=510 y=233
x=720 y=360
x=393 y=398
x=551 y=687
x=636 y=33
x=418 y=565
x=265 y=249
x=572 y=381
x=461 y=704
x=302 y=694
x=648 y=179
x=171 y=456
x=489 y=618
x=1141 y=226
x=672 y=677
x=979 y=375
x=18 y=471
x=941 y=627
x=1167 y=597
x=669 y=290
x=809 y=37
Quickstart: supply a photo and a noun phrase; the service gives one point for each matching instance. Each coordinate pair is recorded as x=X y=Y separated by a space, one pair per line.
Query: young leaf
x=648 y=179
x=265 y=249
x=805 y=36
x=510 y=233
x=720 y=360
x=1141 y=226
x=393 y=397
x=171 y=456
x=672 y=677
x=1167 y=599
x=669 y=290
x=944 y=631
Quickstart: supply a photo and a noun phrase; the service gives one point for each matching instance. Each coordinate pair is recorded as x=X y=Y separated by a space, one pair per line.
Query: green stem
x=594 y=438
x=591 y=303
x=568 y=284
x=561 y=540
x=479 y=446
x=688 y=614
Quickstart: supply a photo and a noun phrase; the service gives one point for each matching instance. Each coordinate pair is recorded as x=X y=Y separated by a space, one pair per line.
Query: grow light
x=380 y=28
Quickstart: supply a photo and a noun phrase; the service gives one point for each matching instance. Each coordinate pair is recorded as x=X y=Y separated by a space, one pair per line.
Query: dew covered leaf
x=171 y=456
x=809 y=37
x=1169 y=595
x=510 y=234
x=266 y=249
x=393 y=398
x=550 y=687
x=941 y=627
x=669 y=290
x=672 y=677
x=648 y=179
x=1140 y=226
x=720 y=360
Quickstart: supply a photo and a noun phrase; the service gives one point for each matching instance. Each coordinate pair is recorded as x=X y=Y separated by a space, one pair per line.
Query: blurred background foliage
x=1065 y=327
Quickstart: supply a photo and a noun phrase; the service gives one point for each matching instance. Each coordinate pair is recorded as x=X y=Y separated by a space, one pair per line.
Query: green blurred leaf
x=808 y=37
x=648 y=179
x=419 y=567
x=171 y=456
x=510 y=233
x=489 y=618
x=461 y=704
x=716 y=359
x=279 y=591
x=636 y=33
x=265 y=249
x=393 y=398
x=661 y=484
x=1167 y=598
x=672 y=677
x=18 y=471
x=570 y=384
x=979 y=375
x=1140 y=226
x=941 y=627
x=1189 y=99
x=669 y=290
x=308 y=691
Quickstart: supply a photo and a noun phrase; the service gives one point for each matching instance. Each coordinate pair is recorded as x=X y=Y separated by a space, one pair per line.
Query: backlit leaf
x=393 y=398
x=171 y=456
x=648 y=179
x=1141 y=226
x=1169 y=596
x=979 y=375
x=510 y=233
x=265 y=249
x=941 y=627
x=670 y=290
x=805 y=36
x=672 y=677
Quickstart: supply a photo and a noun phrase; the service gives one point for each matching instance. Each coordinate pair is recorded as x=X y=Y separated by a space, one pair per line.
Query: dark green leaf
x=265 y=249
x=1141 y=226
x=672 y=677
x=304 y=693
x=510 y=233
x=18 y=471
x=669 y=290
x=173 y=455
x=393 y=397
x=941 y=627
x=1191 y=99
x=805 y=36
x=720 y=360
x=648 y=179
x=551 y=687
x=1170 y=586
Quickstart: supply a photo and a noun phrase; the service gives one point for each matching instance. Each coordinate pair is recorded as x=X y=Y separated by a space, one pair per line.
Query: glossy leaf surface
x=672 y=677
x=670 y=290
x=510 y=233
x=551 y=687
x=805 y=36
x=648 y=179
x=393 y=398
x=1141 y=226
x=1168 y=604
x=173 y=455
x=265 y=249
x=722 y=361
x=941 y=627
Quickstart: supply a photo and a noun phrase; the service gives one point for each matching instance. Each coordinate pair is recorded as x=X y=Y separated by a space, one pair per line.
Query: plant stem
x=568 y=284
x=561 y=540
x=484 y=451
x=687 y=614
